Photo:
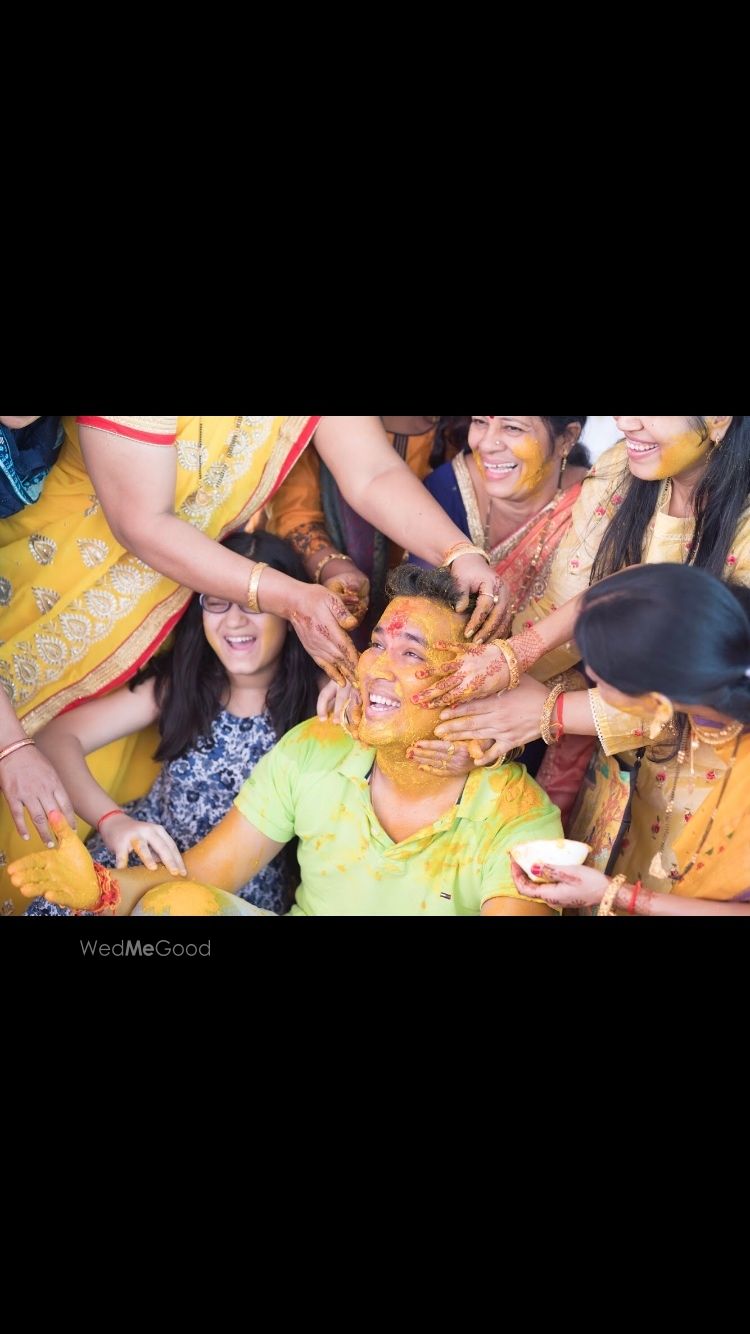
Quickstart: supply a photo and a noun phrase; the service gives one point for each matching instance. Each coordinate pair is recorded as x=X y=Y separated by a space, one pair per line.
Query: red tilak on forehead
x=395 y=625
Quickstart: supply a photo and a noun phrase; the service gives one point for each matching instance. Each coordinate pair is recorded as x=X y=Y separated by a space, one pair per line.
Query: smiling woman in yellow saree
x=97 y=572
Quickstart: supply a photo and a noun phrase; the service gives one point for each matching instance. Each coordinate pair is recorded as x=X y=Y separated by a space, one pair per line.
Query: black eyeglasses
x=217 y=606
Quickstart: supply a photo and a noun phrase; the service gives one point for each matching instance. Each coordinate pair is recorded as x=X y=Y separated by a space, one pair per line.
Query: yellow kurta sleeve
x=618 y=731
x=601 y=495
x=738 y=561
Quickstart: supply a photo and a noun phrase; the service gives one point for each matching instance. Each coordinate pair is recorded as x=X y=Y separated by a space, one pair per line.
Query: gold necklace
x=714 y=736
x=202 y=497
x=519 y=600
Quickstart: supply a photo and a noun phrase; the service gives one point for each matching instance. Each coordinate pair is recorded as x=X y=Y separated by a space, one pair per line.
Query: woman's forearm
x=182 y=553
x=10 y=727
x=380 y=487
x=553 y=631
x=66 y=753
x=576 y=713
x=650 y=904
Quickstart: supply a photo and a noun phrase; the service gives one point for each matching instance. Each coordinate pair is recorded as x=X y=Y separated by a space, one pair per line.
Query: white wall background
x=599 y=434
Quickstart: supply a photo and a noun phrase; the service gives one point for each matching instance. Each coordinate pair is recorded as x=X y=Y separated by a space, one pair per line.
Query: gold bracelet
x=462 y=549
x=545 y=722
x=508 y=653
x=16 y=745
x=332 y=555
x=607 y=906
x=252 y=587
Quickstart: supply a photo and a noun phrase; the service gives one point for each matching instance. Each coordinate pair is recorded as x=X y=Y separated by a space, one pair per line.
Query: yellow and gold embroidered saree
x=78 y=613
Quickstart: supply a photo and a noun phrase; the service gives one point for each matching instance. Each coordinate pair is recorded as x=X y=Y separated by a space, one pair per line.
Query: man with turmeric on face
x=377 y=835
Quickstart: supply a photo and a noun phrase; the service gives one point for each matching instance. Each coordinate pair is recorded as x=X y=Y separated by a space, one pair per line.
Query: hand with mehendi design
x=474 y=575
x=350 y=584
x=320 y=619
x=569 y=887
x=447 y=757
x=475 y=671
x=505 y=721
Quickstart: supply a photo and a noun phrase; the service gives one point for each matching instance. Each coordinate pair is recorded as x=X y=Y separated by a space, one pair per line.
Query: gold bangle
x=607 y=906
x=462 y=549
x=16 y=745
x=508 y=653
x=252 y=587
x=545 y=722
x=332 y=555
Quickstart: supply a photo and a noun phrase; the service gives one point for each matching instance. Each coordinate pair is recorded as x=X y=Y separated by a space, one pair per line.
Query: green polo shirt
x=314 y=784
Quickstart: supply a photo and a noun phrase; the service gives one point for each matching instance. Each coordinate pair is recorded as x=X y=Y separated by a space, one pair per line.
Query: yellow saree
x=80 y=614
x=668 y=539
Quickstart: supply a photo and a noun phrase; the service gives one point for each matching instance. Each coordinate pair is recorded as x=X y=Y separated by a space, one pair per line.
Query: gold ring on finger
x=451 y=748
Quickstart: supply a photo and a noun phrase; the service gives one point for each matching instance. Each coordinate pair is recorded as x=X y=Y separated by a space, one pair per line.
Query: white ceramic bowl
x=549 y=852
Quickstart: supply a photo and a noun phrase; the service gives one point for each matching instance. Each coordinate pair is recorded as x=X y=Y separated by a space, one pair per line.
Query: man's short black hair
x=411 y=581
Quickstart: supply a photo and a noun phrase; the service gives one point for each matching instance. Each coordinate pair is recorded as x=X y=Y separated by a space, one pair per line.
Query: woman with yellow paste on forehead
x=376 y=836
x=677 y=490
x=97 y=572
x=514 y=494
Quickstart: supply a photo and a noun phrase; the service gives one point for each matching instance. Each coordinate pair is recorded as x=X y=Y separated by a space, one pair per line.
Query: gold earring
x=563 y=466
x=662 y=717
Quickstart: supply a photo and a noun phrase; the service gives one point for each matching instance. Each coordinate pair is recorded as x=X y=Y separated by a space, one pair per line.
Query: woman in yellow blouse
x=98 y=571
x=676 y=489
x=651 y=660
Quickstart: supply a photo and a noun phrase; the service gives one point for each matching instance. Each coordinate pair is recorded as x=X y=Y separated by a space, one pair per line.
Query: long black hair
x=719 y=500
x=673 y=629
x=192 y=682
x=454 y=432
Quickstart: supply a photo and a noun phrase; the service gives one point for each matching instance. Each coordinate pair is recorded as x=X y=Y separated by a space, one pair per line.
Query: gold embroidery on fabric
x=6 y=680
x=52 y=650
x=6 y=592
x=93 y=508
x=101 y=603
x=291 y=430
x=68 y=637
x=114 y=667
x=468 y=496
x=43 y=549
x=242 y=443
x=27 y=671
x=131 y=577
x=147 y=425
x=45 y=599
x=190 y=455
x=93 y=551
x=75 y=628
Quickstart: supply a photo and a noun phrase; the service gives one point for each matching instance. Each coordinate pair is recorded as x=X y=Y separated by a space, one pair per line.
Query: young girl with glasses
x=233 y=683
